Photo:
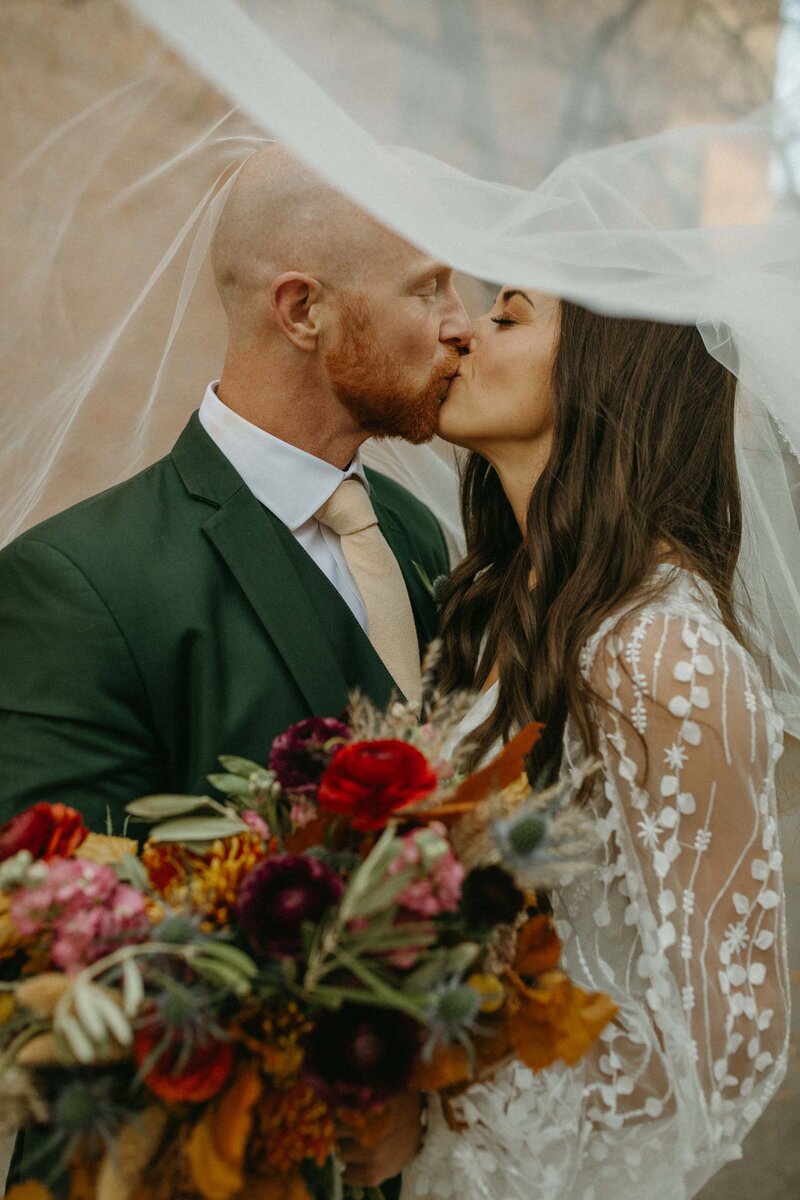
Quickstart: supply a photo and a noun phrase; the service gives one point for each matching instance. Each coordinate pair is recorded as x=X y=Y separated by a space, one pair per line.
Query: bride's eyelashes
x=504 y=320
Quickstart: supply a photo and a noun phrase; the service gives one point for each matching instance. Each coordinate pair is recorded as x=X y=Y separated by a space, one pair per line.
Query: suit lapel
x=247 y=540
x=314 y=631
x=358 y=660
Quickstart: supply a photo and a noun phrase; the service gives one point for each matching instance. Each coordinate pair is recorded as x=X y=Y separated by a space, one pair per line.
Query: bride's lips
x=450 y=380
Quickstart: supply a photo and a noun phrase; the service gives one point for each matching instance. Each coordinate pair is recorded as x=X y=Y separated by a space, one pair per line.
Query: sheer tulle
x=682 y=923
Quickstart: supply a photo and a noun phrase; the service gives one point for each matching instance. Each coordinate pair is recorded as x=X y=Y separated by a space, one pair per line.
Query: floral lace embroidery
x=681 y=923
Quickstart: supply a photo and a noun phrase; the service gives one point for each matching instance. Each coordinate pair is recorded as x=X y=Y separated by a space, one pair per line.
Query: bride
x=603 y=521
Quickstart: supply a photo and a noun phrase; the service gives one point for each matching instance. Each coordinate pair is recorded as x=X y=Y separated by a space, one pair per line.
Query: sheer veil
x=503 y=140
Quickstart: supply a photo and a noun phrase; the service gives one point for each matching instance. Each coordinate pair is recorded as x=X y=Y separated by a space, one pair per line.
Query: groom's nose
x=455 y=327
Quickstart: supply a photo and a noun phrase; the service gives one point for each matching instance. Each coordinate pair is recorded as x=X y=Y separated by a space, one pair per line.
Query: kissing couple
x=260 y=572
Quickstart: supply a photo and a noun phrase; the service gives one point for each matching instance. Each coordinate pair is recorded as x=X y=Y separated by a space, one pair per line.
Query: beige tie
x=349 y=513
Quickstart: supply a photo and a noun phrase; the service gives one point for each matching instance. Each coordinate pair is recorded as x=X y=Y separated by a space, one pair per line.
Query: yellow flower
x=216 y=877
x=491 y=991
x=291 y=1124
x=104 y=849
x=7 y=1006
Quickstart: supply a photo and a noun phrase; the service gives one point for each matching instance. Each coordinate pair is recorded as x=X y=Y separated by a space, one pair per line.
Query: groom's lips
x=448 y=379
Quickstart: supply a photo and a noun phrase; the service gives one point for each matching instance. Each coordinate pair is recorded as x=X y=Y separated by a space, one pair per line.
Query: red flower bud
x=369 y=781
x=202 y=1077
x=46 y=830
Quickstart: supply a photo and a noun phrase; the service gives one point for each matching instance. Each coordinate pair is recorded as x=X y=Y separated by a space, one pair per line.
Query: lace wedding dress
x=681 y=922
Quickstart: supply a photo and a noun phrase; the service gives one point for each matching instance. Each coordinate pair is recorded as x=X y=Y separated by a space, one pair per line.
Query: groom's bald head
x=280 y=217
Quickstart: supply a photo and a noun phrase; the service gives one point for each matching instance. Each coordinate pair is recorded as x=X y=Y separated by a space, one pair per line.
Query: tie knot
x=349 y=510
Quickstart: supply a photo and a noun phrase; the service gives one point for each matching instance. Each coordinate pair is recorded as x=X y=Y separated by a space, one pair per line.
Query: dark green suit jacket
x=171 y=619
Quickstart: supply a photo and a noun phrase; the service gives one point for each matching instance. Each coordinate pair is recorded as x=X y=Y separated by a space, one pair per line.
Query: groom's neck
x=293 y=404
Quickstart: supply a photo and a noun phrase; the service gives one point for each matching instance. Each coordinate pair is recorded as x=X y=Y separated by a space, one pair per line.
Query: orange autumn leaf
x=554 y=1020
x=30 y=1190
x=504 y=769
x=234 y=1113
x=276 y=1187
x=449 y=1067
x=216 y=1146
x=538 y=947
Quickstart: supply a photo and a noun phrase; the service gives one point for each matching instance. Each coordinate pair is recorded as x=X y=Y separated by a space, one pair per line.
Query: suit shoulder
x=105 y=511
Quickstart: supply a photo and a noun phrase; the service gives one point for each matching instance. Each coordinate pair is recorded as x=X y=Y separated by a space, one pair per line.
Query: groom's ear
x=294 y=300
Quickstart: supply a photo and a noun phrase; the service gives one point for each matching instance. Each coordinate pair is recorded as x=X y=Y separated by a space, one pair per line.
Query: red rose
x=202 y=1077
x=368 y=781
x=46 y=830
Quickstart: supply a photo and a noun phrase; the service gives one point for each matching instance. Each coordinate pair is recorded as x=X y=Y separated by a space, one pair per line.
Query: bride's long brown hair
x=642 y=459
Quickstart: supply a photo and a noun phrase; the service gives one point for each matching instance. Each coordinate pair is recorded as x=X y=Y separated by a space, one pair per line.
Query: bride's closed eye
x=504 y=320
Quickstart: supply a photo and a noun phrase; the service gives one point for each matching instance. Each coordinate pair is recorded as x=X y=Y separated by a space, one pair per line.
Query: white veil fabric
x=104 y=354
x=637 y=157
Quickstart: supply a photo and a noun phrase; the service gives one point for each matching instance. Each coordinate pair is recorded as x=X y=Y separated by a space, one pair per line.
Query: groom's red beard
x=373 y=385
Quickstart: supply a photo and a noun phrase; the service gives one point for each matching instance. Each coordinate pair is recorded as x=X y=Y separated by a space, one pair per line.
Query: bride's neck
x=519 y=466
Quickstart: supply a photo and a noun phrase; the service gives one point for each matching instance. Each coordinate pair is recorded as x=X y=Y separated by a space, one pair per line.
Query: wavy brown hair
x=642 y=468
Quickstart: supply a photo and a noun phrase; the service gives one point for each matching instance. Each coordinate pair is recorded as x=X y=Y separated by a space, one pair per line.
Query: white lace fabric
x=682 y=924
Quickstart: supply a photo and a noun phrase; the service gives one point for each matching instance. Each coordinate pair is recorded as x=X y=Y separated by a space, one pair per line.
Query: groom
x=236 y=586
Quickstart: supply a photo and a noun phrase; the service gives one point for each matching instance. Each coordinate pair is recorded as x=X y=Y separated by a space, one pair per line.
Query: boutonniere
x=434 y=587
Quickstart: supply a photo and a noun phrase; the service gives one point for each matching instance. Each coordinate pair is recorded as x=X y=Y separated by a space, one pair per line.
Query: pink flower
x=256 y=822
x=302 y=812
x=440 y=875
x=84 y=908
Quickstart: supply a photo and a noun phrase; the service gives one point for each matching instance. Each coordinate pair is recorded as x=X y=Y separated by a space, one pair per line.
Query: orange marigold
x=368 y=1126
x=207 y=882
x=276 y=1037
x=216 y=876
x=291 y=1124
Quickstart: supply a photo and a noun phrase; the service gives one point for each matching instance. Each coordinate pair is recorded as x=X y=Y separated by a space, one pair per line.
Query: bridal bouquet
x=355 y=918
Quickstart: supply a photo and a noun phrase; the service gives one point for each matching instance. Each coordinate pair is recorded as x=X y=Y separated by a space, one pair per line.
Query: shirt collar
x=291 y=483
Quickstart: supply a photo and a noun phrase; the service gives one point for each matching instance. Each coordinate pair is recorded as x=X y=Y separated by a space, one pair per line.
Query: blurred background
x=89 y=204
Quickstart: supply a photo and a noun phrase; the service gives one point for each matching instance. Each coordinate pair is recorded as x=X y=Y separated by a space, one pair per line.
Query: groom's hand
x=370 y=1166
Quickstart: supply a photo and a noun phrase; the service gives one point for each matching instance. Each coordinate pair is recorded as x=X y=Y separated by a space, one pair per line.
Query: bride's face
x=501 y=401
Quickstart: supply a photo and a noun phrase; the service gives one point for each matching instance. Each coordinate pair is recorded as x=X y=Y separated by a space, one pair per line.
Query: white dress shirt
x=291 y=484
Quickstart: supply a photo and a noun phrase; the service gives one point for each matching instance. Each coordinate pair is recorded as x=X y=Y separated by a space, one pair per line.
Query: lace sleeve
x=682 y=924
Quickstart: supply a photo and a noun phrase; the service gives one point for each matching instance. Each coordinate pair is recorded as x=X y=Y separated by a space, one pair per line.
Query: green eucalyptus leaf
x=231 y=785
x=225 y=976
x=130 y=870
x=239 y=766
x=159 y=807
x=232 y=955
x=197 y=829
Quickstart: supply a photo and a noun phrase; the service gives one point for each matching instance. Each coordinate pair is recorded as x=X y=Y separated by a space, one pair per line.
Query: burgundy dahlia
x=279 y=896
x=298 y=756
x=489 y=896
x=358 y=1056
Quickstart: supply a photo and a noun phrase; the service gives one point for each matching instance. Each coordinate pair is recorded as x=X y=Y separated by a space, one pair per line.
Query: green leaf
x=424 y=578
x=240 y=766
x=231 y=785
x=224 y=976
x=130 y=870
x=159 y=807
x=132 y=987
x=229 y=954
x=384 y=895
x=197 y=829
x=381 y=990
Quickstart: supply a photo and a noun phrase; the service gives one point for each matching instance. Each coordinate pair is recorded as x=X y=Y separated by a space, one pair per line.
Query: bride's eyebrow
x=517 y=292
